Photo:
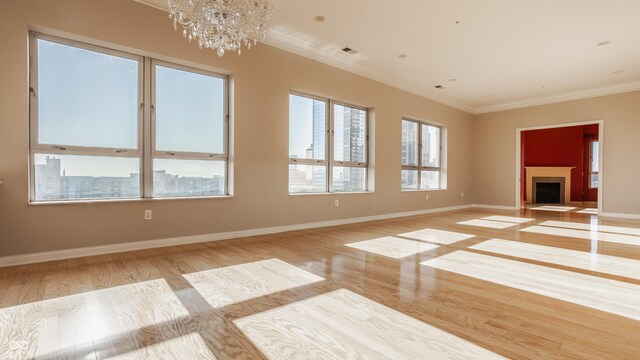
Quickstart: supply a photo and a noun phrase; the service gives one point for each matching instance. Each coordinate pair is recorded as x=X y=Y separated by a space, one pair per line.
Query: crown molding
x=153 y=5
x=561 y=97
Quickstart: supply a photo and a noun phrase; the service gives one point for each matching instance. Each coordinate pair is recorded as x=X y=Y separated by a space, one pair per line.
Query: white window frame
x=145 y=150
x=329 y=162
x=184 y=155
x=420 y=168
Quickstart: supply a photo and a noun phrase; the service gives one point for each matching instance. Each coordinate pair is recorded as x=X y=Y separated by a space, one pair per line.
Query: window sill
x=107 y=201
x=332 y=193
x=420 y=190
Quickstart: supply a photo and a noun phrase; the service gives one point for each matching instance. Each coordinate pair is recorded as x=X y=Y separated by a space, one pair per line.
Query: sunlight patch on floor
x=189 y=346
x=487 y=224
x=233 y=284
x=64 y=324
x=589 y=211
x=437 y=236
x=593 y=227
x=344 y=325
x=553 y=208
x=509 y=219
x=615 y=297
x=393 y=247
x=571 y=258
x=583 y=234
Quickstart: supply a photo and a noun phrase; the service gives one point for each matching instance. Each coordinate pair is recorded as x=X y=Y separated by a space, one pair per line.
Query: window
x=90 y=125
x=328 y=150
x=594 y=164
x=189 y=114
x=421 y=156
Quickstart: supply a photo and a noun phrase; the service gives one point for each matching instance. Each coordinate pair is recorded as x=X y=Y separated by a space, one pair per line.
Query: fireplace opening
x=548 y=193
x=549 y=190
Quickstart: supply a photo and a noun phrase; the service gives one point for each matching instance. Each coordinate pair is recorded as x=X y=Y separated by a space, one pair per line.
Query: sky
x=300 y=125
x=86 y=98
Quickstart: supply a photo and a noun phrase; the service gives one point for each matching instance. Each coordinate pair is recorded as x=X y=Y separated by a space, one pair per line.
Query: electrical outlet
x=337 y=203
x=426 y=196
x=147 y=214
x=461 y=194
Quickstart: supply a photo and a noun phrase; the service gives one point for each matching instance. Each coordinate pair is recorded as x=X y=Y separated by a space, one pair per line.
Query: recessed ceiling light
x=319 y=18
x=347 y=49
x=618 y=71
x=402 y=56
x=452 y=80
x=439 y=87
x=603 y=43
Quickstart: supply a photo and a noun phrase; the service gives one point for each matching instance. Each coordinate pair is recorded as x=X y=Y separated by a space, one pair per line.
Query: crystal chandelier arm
x=223 y=25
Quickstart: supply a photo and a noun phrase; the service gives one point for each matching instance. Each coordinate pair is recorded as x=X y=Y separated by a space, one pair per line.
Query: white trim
x=183 y=240
x=557 y=98
x=494 y=207
x=621 y=215
x=600 y=124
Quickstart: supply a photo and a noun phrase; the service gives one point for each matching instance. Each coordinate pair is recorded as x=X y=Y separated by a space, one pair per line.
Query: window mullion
x=187 y=156
x=296 y=161
x=330 y=145
x=148 y=100
x=420 y=145
x=84 y=150
x=349 y=164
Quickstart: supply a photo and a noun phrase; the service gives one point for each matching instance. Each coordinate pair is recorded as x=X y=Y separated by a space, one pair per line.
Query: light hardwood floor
x=467 y=284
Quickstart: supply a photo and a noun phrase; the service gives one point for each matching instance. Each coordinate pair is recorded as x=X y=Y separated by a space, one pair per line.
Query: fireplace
x=548 y=174
x=548 y=190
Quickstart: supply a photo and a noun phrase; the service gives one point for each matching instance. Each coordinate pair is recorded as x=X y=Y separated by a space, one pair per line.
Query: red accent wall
x=560 y=147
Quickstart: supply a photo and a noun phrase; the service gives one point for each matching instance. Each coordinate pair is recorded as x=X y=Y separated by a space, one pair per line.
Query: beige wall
x=262 y=80
x=495 y=144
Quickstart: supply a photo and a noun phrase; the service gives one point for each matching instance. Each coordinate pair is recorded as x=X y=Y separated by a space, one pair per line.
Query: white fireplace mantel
x=549 y=171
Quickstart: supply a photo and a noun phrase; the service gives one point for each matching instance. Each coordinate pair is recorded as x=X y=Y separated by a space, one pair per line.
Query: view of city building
x=409 y=154
x=350 y=145
x=420 y=172
x=52 y=183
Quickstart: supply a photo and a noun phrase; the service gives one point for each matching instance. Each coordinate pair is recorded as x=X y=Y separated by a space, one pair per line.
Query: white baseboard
x=183 y=240
x=495 y=207
x=621 y=215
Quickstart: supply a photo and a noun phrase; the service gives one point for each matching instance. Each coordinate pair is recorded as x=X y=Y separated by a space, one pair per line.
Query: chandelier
x=223 y=25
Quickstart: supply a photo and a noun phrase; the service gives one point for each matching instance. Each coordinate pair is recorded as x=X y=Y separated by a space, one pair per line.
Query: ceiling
x=487 y=55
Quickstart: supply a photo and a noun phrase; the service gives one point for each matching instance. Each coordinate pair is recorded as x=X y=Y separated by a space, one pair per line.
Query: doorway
x=569 y=153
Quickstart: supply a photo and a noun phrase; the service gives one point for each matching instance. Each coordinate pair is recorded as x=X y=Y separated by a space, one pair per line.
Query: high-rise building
x=48 y=179
x=349 y=145
x=409 y=154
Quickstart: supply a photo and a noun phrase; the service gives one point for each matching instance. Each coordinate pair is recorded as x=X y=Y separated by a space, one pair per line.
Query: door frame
x=600 y=123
